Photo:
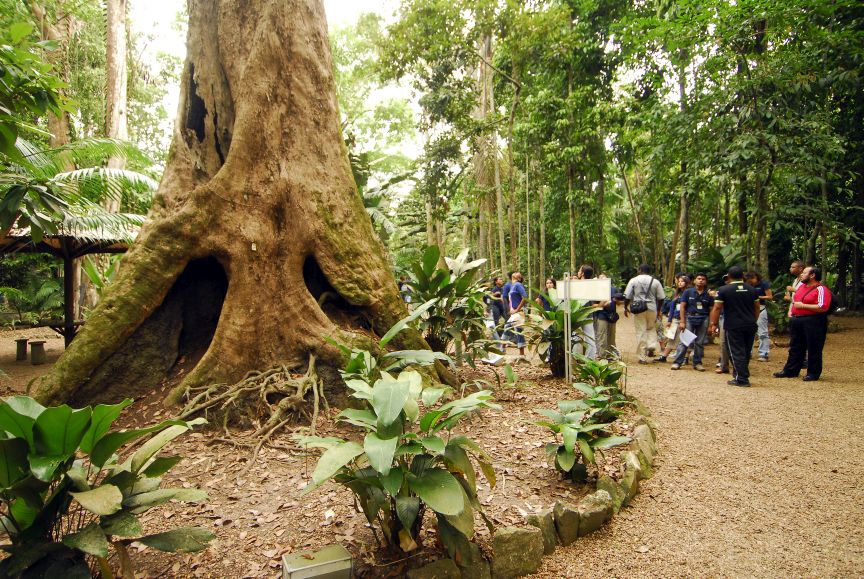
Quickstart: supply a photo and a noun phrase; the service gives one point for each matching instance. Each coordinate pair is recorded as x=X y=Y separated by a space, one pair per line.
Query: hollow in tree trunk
x=257 y=245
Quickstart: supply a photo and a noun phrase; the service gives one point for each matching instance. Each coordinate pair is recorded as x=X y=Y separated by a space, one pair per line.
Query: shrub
x=404 y=464
x=65 y=495
x=456 y=312
x=599 y=372
x=546 y=331
x=582 y=435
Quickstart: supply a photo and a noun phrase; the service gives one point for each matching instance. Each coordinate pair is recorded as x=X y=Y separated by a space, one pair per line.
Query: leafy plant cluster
x=67 y=499
x=456 y=313
x=583 y=424
x=545 y=329
x=409 y=460
x=30 y=287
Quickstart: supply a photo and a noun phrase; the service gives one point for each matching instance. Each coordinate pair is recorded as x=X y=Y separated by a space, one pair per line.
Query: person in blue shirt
x=695 y=305
x=505 y=291
x=763 y=290
x=518 y=300
x=672 y=313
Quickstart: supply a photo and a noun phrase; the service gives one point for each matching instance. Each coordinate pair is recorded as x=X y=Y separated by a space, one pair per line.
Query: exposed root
x=268 y=400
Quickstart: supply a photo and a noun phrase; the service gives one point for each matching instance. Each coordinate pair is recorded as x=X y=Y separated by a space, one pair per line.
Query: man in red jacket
x=808 y=326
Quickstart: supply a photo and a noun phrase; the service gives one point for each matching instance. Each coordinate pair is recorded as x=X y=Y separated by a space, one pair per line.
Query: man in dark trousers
x=695 y=304
x=739 y=304
x=808 y=326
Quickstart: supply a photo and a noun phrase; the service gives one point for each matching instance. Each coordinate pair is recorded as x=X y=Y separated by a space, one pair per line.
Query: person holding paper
x=695 y=305
x=740 y=305
x=518 y=297
x=672 y=312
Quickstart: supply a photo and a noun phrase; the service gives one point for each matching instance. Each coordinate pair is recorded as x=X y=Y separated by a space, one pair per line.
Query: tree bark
x=116 y=119
x=542 y=257
x=258 y=245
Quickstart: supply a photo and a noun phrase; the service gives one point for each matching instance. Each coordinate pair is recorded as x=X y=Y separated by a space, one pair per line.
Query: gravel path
x=766 y=481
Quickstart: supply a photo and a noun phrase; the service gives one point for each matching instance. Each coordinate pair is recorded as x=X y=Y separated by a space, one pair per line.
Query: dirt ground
x=764 y=481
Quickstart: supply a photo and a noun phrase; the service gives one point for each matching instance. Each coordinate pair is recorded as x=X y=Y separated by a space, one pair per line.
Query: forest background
x=541 y=135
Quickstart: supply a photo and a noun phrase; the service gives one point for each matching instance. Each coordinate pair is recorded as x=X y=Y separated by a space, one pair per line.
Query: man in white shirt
x=643 y=298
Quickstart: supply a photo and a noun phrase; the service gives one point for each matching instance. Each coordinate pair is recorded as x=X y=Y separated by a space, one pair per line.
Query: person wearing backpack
x=808 y=326
x=642 y=298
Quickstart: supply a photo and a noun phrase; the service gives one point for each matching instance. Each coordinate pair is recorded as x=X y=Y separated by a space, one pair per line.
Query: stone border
x=519 y=551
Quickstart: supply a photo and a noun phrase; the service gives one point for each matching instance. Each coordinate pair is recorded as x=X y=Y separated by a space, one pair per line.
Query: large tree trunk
x=258 y=245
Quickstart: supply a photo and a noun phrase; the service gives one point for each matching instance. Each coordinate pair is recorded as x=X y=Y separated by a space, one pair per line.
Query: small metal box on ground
x=332 y=562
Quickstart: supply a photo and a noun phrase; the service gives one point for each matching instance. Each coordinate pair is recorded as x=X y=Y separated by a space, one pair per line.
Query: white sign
x=595 y=290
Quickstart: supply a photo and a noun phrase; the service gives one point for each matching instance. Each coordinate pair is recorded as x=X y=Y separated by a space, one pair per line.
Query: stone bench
x=37 y=352
x=21 y=349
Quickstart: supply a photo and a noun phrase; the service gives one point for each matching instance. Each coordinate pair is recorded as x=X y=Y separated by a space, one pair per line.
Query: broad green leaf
x=439 y=489
x=586 y=450
x=566 y=459
x=59 y=429
x=91 y=540
x=110 y=443
x=13 y=461
x=18 y=414
x=457 y=459
x=431 y=255
x=380 y=452
x=464 y=521
x=102 y=500
x=488 y=472
x=179 y=540
x=147 y=500
x=18 y=31
x=432 y=395
x=568 y=406
x=403 y=323
x=430 y=419
x=161 y=465
x=569 y=435
x=122 y=524
x=326 y=443
x=434 y=444
x=363 y=418
x=103 y=417
x=392 y=481
x=362 y=390
x=388 y=398
x=407 y=509
x=334 y=459
x=158 y=442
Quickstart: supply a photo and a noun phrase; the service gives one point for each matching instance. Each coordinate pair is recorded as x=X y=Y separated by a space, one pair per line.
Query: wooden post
x=68 y=299
x=21 y=349
x=37 y=352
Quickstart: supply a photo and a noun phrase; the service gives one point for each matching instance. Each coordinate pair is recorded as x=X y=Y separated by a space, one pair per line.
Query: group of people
x=681 y=325
x=737 y=311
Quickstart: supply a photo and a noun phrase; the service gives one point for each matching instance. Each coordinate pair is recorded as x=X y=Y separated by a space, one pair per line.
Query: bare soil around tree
x=759 y=482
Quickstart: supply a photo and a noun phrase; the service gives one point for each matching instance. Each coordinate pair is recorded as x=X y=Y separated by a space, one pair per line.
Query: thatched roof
x=73 y=240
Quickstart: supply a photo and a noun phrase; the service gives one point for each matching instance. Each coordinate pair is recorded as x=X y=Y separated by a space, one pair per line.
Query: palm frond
x=99 y=225
x=102 y=182
x=98 y=150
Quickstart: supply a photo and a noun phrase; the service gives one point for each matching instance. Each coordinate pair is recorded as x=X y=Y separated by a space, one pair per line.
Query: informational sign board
x=597 y=290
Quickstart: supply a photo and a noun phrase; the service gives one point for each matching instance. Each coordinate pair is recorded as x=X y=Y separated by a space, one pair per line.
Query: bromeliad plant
x=65 y=496
x=409 y=460
x=582 y=436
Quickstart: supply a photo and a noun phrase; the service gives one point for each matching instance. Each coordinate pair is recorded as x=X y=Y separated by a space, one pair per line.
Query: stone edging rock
x=519 y=551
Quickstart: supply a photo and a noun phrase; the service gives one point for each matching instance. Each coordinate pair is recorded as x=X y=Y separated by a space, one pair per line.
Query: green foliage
x=545 y=329
x=409 y=459
x=582 y=432
x=454 y=313
x=715 y=262
x=28 y=87
x=65 y=494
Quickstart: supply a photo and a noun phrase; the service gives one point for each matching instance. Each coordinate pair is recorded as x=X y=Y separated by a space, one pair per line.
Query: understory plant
x=409 y=460
x=545 y=330
x=583 y=424
x=455 y=321
x=67 y=499
x=583 y=432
